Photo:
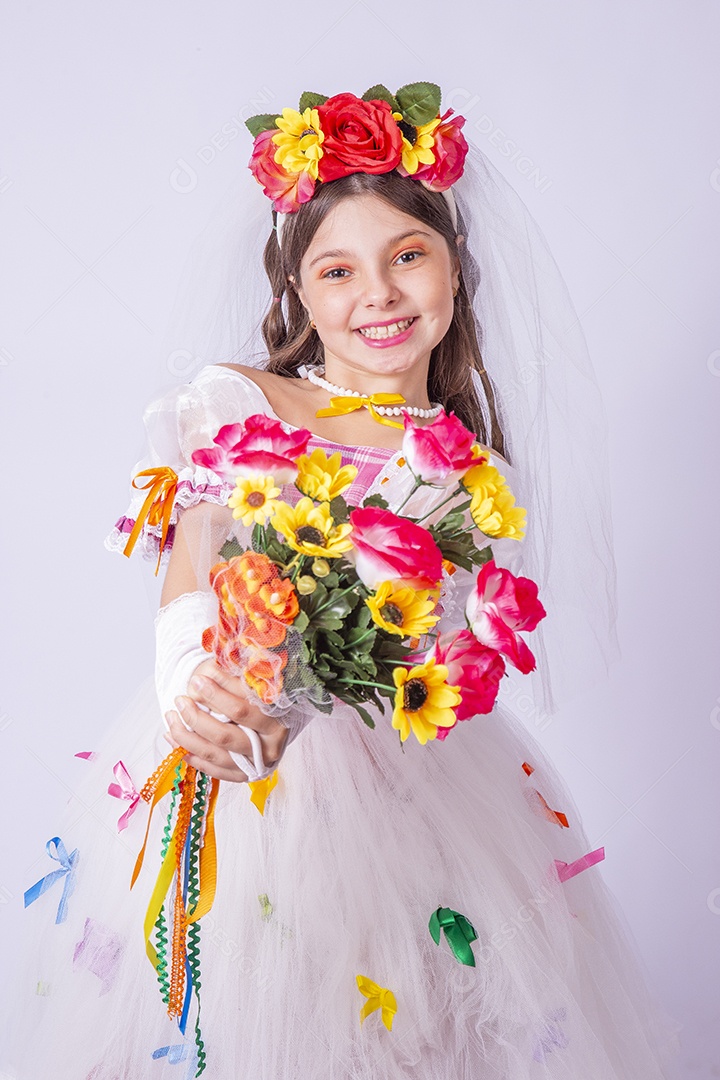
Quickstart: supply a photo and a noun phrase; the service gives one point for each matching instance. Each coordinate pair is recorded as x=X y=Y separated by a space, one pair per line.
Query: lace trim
x=178 y=601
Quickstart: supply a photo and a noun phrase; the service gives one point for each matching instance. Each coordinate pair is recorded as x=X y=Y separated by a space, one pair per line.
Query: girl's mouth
x=391 y=334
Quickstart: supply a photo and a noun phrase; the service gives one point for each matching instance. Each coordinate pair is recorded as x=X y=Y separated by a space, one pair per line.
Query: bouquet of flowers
x=338 y=601
x=332 y=601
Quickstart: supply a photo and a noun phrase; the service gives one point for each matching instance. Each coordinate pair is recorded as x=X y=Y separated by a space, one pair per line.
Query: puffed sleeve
x=165 y=481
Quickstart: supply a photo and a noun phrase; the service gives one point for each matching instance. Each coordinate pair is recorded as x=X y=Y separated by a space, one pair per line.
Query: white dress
x=359 y=843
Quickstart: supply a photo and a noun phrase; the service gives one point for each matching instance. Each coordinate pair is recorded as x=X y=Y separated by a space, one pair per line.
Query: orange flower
x=280 y=598
x=263 y=628
x=264 y=675
x=254 y=569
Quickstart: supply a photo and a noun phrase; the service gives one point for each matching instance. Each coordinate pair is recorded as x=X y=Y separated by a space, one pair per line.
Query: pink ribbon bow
x=124 y=789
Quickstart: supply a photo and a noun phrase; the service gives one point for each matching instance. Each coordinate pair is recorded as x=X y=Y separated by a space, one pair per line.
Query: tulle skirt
x=359 y=844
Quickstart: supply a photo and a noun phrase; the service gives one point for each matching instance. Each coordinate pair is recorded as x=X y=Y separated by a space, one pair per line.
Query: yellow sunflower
x=424 y=701
x=253 y=499
x=419 y=152
x=492 y=507
x=401 y=610
x=299 y=141
x=311 y=530
x=322 y=477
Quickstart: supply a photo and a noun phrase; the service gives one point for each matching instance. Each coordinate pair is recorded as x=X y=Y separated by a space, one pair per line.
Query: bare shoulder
x=268 y=380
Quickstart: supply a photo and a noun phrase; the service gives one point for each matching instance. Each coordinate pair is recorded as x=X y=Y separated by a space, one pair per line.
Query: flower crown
x=326 y=138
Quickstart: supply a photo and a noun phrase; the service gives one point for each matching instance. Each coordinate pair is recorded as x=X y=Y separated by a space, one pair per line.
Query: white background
x=614 y=106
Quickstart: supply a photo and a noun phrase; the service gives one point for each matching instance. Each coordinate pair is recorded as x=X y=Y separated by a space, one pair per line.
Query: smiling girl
x=321 y=959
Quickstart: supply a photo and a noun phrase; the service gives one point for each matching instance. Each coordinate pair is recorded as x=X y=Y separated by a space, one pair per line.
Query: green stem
x=361 y=682
x=418 y=484
x=452 y=495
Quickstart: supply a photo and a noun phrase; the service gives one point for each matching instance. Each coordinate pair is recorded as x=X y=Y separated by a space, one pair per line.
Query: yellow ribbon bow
x=341 y=406
x=379 y=997
x=157 y=507
x=260 y=789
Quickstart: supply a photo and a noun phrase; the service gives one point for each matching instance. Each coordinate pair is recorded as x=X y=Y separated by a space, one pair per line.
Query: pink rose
x=499 y=606
x=287 y=190
x=450 y=151
x=388 y=548
x=473 y=667
x=438 y=453
x=259 y=446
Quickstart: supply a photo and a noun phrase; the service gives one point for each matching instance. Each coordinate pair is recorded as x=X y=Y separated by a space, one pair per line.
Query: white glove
x=178 y=632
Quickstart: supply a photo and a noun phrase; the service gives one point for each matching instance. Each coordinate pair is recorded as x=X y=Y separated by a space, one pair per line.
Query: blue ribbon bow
x=68 y=866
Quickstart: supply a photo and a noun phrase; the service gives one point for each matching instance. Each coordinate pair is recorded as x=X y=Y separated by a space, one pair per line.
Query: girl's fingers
x=207 y=737
x=218 y=764
x=232 y=773
x=225 y=694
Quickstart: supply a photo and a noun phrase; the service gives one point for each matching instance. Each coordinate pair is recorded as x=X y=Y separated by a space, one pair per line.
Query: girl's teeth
x=386 y=331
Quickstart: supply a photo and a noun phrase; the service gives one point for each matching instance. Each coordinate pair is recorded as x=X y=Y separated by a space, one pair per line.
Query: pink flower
x=473 y=667
x=450 y=150
x=288 y=190
x=388 y=548
x=438 y=453
x=259 y=446
x=499 y=606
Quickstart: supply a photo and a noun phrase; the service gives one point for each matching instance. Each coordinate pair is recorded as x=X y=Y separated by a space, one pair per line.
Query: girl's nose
x=380 y=290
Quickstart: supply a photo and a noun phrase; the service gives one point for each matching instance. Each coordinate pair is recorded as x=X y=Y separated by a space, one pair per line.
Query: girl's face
x=379 y=285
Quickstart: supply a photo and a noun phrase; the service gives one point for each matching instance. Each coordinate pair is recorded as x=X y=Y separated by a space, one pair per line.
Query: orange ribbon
x=341 y=406
x=157 y=507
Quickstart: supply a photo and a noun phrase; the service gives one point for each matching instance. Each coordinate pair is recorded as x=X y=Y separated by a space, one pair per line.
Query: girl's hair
x=294 y=342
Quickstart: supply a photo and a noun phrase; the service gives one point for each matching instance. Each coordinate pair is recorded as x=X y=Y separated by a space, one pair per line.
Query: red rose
x=450 y=150
x=287 y=190
x=360 y=136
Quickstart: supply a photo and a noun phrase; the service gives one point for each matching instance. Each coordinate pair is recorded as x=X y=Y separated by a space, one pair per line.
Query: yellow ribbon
x=379 y=997
x=341 y=406
x=157 y=507
x=260 y=789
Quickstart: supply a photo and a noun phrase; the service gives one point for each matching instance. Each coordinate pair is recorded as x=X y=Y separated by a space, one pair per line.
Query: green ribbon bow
x=459 y=932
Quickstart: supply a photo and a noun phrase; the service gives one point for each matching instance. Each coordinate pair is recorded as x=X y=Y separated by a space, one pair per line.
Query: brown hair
x=294 y=342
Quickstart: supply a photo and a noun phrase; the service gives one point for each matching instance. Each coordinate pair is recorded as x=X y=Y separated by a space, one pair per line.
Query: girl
x=375 y=291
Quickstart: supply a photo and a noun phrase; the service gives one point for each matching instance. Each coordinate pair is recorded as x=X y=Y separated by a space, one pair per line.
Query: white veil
x=547 y=396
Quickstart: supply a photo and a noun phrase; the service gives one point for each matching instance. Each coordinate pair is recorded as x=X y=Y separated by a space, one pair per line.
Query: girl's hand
x=209 y=739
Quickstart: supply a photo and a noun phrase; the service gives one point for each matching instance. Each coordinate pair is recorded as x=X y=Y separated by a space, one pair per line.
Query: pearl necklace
x=311 y=374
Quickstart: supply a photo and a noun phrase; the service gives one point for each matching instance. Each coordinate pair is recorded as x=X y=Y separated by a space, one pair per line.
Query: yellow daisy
x=424 y=701
x=419 y=152
x=253 y=499
x=299 y=141
x=401 y=610
x=322 y=477
x=492 y=507
x=311 y=530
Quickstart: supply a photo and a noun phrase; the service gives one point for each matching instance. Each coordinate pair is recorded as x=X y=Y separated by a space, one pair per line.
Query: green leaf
x=452 y=522
x=419 y=102
x=230 y=549
x=381 y=93
x=365 y=715
x=339 y=510
x=309 y=100
x=301 y=621
x=376 y=500
x=261 y=122
x=331 y=580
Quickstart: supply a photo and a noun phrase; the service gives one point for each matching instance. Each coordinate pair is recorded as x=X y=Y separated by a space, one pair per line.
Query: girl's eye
x=335 y=270
x=412 y=255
